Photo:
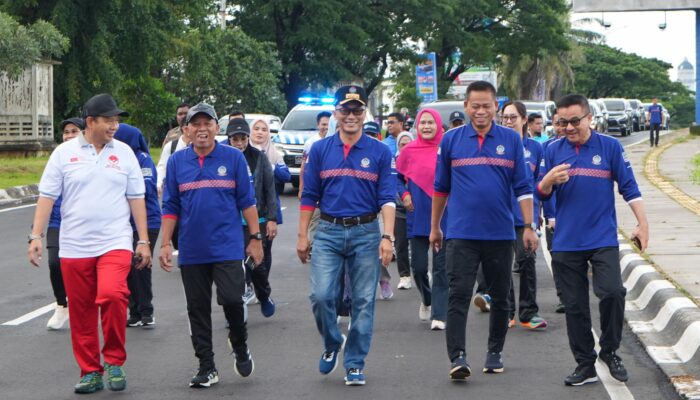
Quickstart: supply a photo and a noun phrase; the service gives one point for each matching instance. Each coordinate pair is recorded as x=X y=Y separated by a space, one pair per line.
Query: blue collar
x=361 y=144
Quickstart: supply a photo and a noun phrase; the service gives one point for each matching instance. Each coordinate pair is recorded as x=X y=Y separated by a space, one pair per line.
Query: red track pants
x=98 y=285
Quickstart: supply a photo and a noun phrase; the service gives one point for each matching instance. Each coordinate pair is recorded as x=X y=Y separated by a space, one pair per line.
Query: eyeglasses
x=344 y=111
x=391 y=122
x=510 y=117
x=575 y=122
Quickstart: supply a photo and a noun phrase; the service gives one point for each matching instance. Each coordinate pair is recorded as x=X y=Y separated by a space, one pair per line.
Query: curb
x=18 y=195
x=665 y=321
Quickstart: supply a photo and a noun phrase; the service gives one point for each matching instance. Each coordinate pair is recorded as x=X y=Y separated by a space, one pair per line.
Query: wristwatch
x=388 y=236
x=532 y=226
x=31 y=237
x=256 y=236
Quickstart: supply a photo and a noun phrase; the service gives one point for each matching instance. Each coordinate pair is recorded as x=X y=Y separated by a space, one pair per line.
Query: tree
x=228 y=69
x=21 y=46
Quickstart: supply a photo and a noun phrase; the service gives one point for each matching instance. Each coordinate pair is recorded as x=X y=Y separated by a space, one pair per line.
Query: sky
x=638 y=32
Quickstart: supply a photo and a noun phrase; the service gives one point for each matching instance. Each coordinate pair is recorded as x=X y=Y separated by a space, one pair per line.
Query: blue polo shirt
x=655 y=114
x=55 y=218
x=348 y=182
x=480 y=179
x=533 y=157
x=207 y=195
x=150 y=179
x=418 y=220
x=390 y=141
x=585 y=211
x=548 y=206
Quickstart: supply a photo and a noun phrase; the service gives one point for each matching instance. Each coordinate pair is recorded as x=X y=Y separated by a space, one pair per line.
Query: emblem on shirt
x=365 y=162
x=74 y=159
x=624 y=157
x=146 y=172
x=500 y=150
x=221 y=171
x=113 y=162
x=596 y=160
x=527 y=153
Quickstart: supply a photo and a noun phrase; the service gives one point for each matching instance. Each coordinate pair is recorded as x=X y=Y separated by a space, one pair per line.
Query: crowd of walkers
x=455 y=204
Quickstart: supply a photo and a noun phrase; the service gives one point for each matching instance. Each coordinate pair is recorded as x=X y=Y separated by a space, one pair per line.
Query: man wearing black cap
x=371 y=129
x=207 y=189
x=348 y=176
x=457 y=119
x=96 y=240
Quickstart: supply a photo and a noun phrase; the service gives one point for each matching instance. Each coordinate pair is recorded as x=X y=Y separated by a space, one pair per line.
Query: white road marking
x=284 y=208
x=662 y=319
x=616 y=390
x=17 y=208
x=682 y=351
x=31 y=315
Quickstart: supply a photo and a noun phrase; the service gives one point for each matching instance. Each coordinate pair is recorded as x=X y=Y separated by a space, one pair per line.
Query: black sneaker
x=460 y=370
x=205 y=378
x=584 y=373
x=148 y=322
x=494 y=363
x=133 y=322
x=244 y=364
x=560 y=309
x=614 y=363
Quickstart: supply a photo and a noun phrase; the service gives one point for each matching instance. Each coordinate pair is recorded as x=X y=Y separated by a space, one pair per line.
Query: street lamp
x=662 y=25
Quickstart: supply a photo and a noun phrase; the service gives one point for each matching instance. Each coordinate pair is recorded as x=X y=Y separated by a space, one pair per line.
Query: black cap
x=201 y=108
x=237 y=125
x=350 y=93
x=102 y=105
x=457 y=115
x=79 y=122
x=371 y=128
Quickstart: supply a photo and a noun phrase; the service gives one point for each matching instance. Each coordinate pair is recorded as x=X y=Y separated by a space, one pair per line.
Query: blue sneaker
x=483 y=302
x=494 y=363
x=460 y=370
x=354 y=377
x=329 y=359
x=267 y=308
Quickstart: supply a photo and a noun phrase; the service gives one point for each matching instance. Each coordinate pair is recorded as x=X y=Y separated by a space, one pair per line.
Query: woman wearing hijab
x=240 y=137
x=139 y=280
x=416 y=165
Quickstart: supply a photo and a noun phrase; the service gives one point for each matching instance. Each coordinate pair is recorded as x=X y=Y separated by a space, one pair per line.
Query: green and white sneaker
x=90 y=383
x=116 y=378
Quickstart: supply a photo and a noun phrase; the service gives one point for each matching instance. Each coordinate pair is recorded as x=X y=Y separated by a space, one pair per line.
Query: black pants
x=401 y=245
x=419 y=263
x=260 y=275
x=59 y=290
x=572 y=270
x=654 y=134
x=525 y=262
x=229 y=277
x=175 y=236
x=463 y=258
x=139 y=283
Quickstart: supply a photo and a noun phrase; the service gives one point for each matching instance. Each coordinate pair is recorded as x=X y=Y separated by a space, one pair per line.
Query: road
x=407 y=360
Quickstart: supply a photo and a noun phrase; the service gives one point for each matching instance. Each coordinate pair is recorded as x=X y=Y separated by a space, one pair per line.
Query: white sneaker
x=58 y=319
x=437 y=325
x=424 y=312
x=248 y=295
x=404 y=283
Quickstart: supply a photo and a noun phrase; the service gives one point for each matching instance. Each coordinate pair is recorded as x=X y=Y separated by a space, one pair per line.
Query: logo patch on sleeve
x=146 y=172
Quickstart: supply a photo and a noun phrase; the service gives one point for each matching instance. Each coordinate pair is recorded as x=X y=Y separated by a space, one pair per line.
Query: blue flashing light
x=306 y=99
x=328 y=100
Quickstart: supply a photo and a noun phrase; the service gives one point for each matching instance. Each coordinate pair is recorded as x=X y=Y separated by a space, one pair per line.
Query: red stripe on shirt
x=590 y=172
x=475 y=161
x=440 y=194
x=207 y=184
x=307 y=208
x=170 y=216
x=332 y=173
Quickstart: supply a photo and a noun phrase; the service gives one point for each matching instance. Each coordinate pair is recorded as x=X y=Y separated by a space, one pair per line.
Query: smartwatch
x=256 y=236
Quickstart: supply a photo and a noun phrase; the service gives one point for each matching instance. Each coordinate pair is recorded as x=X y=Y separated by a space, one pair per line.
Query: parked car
x=445 y=108
x=665 y=116
x=598 y=121
x=273 y=121
x=639 y=115
x=619 y=116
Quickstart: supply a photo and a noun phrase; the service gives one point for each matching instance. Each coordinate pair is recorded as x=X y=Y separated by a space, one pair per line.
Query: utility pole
x=222 y=15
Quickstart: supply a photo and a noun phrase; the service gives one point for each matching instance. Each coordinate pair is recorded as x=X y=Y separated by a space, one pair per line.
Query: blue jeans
x=356 y=248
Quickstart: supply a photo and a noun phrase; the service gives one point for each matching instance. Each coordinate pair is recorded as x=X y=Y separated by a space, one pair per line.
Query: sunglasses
x=347 y=111
x=575 y=122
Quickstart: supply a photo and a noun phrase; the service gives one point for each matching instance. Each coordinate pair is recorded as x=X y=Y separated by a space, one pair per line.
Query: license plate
x=298 y=159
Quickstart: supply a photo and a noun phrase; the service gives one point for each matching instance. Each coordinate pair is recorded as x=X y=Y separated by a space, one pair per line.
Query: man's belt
x=349 y=221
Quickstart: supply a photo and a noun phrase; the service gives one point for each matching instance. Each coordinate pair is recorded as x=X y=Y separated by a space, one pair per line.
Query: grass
x=26 y=171
x=695 y=174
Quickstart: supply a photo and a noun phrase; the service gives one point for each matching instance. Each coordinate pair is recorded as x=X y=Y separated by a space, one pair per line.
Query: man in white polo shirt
x=102 y=186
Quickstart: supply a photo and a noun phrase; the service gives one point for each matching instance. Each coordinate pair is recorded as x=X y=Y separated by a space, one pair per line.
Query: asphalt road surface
x=407 y=360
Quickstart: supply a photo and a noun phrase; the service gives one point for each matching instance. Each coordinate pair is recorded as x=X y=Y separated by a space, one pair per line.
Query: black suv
x=620 y=116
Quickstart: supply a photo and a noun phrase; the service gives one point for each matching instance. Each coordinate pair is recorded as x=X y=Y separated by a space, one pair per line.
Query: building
x=686 y=75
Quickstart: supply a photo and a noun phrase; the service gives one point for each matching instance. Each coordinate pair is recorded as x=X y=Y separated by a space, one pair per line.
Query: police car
x=298 y=126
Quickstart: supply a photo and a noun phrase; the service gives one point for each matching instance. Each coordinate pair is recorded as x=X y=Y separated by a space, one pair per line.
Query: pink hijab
x=418 y=160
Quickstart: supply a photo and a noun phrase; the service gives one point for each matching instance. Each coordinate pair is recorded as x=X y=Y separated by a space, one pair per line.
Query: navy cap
x=201 y=108
x=371 y=128
x=102 y=105
x=237 y=125
x=457 y=115
x=350 y=93
x=79 y=122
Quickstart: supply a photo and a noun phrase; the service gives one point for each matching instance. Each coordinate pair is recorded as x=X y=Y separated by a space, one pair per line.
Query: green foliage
x=695 y=174
x=405 y=89
x=695 y=131
x=148 y=103
x=21 y=46
x=228 y=69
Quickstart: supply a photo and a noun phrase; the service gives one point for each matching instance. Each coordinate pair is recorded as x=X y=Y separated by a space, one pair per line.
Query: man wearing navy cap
x=371 y=129
x=207 y=188
x=457 y=119
x=101 y=184
x=348 y=176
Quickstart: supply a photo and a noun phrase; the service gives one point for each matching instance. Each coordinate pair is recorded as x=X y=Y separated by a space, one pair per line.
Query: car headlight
x=281 y=149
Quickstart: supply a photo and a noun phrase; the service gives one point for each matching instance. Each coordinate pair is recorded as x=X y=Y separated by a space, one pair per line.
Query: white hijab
x=266 y=146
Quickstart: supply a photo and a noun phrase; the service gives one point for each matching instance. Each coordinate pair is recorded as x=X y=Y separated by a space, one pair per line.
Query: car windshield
x=615 y=105
x=301 y=120
x=634 y=103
